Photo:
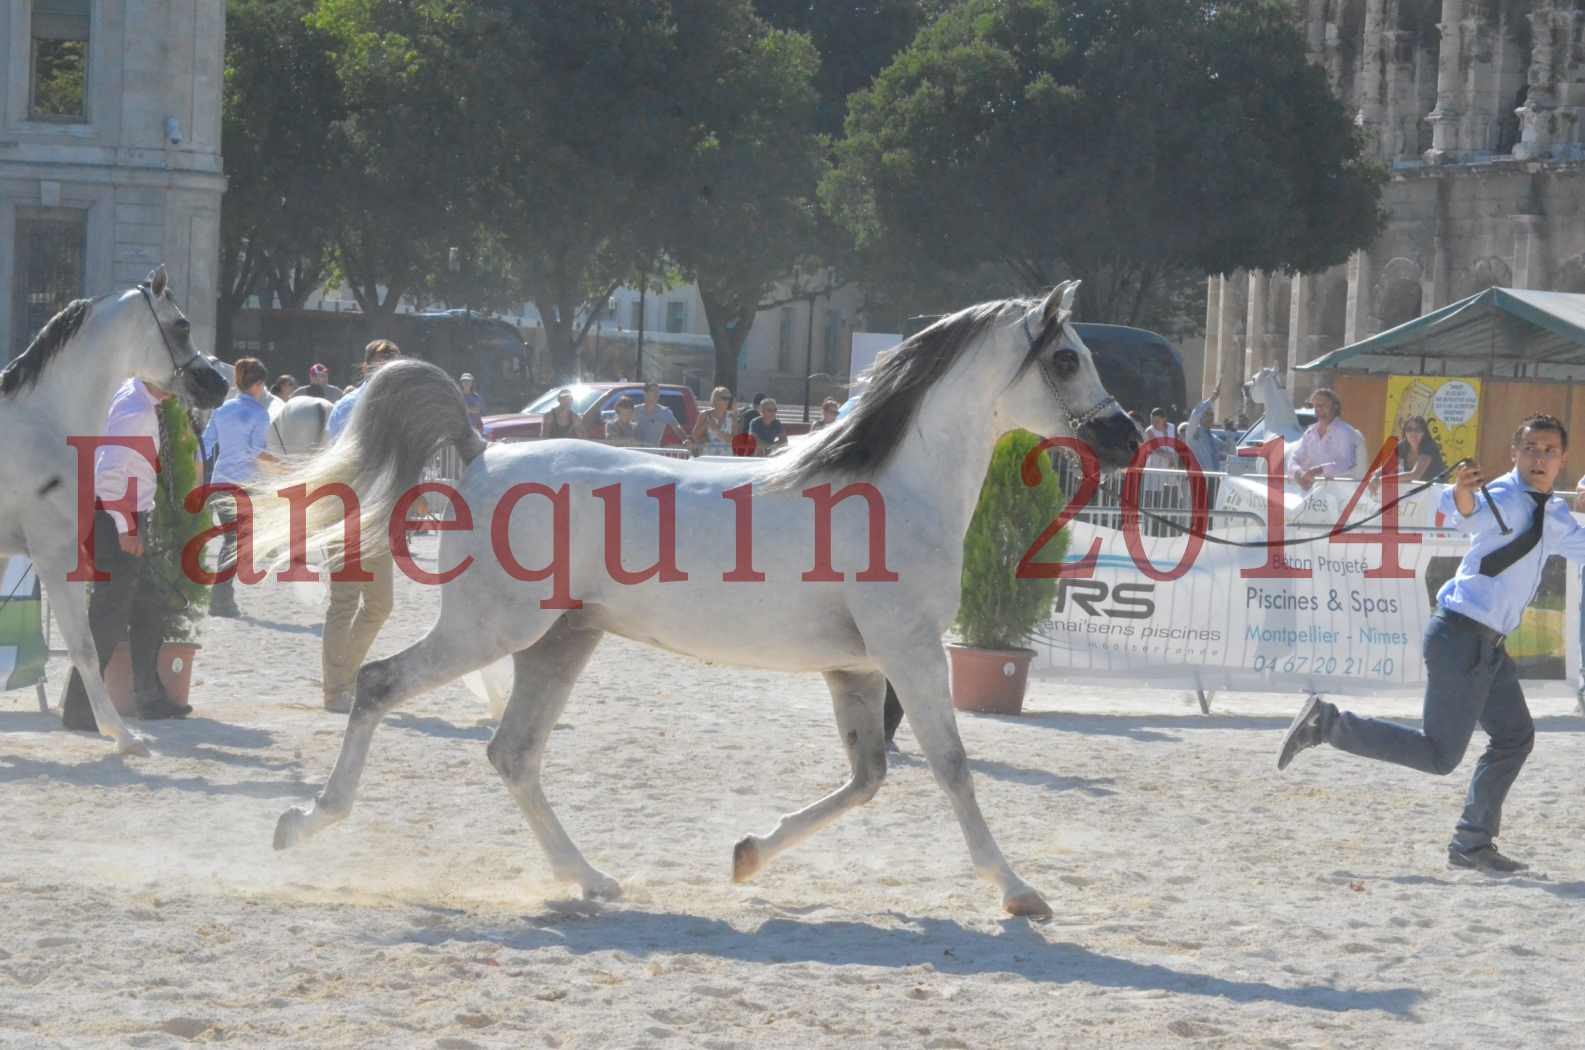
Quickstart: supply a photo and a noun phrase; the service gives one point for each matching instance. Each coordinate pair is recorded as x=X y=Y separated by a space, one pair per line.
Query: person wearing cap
x=473 y=401
x=319 y=385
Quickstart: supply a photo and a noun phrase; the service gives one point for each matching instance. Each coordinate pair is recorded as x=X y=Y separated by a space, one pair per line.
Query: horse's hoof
x=132 y=744
x=603 y=888
x=1029 y=905
x=745 y=859
x=291 y=829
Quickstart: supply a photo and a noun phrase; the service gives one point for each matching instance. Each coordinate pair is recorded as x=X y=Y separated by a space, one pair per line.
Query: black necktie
x=1502 y=557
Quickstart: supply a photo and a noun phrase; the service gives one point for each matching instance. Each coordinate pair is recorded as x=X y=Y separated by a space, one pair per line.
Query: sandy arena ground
x=1202 y=899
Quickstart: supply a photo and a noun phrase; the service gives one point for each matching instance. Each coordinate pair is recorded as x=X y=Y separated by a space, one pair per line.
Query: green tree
x=745 y=214
x=1136 y=144
x=282 y=99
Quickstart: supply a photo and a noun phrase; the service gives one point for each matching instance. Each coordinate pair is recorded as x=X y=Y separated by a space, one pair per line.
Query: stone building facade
x=109 y=154
x=1478 y=107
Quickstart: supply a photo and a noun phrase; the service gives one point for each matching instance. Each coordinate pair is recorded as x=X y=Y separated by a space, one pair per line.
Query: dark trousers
x=1470 y=681
x=223 y=594
x=894 y=712
x=124 y=608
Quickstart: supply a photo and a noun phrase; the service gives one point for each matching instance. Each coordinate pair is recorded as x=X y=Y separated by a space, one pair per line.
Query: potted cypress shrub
x=997 y=611
x=170 y=527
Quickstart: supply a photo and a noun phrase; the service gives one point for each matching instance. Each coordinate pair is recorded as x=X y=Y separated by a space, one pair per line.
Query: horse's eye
x=1065 y=362
x=183 y=325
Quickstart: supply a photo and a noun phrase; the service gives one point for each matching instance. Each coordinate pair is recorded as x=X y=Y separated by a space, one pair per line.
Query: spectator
x=357 y=608
x=127 y=607
x=767 y=430
x=284 y=387
x=828 y=414
x=1160 y=489
x=319 y=385
x=712 y=435
x=1419 y=456
x=1199 y=433
x=655 y=420
x=622 y=430
x=474 y=403
x=236 y=440
x=1329 y=448
x=748 y=415
x=562 y=422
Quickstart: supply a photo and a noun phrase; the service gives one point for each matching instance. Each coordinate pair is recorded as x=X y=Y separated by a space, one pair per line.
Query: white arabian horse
x=61 y=387
x=1265 y=389
x=920 y=442
x=297 y=425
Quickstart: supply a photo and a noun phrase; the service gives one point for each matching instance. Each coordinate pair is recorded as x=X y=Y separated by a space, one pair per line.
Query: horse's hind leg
x=439 y=657
x=543 y=677
x=859 y=699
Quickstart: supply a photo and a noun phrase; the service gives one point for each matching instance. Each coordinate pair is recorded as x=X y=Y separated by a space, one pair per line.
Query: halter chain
x=1076 y=420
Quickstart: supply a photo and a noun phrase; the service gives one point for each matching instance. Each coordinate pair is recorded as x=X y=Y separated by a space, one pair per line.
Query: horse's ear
x=157 y=280
x=1058 y=306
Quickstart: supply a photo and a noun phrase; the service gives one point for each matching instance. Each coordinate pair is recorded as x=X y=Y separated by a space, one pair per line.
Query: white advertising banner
x=1329 y=622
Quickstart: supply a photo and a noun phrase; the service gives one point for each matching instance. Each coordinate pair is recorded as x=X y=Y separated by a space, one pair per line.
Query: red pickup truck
x=590 y=401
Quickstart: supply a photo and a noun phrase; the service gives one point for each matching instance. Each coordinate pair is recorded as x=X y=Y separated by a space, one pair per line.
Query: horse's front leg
x=69 y=606
x=918 y=670
x=858 y=698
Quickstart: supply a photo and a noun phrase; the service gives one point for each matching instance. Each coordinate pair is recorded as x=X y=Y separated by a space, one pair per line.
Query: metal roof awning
x=1506 y=333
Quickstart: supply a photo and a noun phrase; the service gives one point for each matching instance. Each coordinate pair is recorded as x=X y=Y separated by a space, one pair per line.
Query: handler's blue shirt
x=342 y=412
x=1499 y=601
x=241 y=427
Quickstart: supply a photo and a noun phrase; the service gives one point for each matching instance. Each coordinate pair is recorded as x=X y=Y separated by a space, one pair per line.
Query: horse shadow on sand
x=1017 y=950
x=189 y=739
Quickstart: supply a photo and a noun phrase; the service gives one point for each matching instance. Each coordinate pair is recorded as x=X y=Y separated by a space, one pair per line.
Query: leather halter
x=180 y=367
x=1076 y=420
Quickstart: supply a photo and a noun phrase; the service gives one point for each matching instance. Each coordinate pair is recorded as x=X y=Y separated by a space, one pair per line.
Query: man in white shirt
x=126 y=607
x=1330 y=447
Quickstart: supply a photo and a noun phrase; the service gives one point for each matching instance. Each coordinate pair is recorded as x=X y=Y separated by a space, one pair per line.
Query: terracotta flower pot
x=989 y=681
x=175 y=668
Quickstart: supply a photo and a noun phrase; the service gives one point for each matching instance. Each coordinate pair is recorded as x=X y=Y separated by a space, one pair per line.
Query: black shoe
x=1485 y=859
x=76 y=714
x=1304 y=733
x=159 y=706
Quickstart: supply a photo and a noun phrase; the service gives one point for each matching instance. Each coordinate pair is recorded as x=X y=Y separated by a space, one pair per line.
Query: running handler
x=1470 y=679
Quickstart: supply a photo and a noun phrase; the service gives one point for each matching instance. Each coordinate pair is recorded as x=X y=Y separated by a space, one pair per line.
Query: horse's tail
x=408 y=413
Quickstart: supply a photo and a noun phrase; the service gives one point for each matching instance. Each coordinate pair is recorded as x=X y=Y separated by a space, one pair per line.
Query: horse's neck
x=948 y=448
x=1278 y=405
x=76 y=388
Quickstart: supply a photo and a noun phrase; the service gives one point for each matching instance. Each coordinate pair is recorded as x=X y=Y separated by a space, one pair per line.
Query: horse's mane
x=898 y=383
x=25 y=369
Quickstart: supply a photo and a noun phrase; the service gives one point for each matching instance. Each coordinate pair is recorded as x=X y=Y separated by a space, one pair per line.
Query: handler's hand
x=1468 y=478
x=132 y=544
x=1579 y=496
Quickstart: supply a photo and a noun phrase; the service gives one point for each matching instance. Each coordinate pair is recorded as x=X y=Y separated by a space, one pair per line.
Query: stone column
x=1229 y=359
x=1398 y=141
x=1375 y=56
x=1256 y=352
x=1478 y=120
x=1314 y=14
x=1299 y=321
x=1444 y=119
x=1529 y=251
x=1358 y=322
x=1213 y=322
x=1537 y=114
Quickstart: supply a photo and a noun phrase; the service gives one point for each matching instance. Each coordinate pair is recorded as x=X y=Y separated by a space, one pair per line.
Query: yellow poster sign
x=1450 y=406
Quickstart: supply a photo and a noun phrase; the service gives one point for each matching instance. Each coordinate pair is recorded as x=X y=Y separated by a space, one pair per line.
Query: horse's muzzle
x=1114 y=437
x=205 y=387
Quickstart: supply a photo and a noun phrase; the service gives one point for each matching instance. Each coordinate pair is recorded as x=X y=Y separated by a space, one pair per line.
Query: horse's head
x=166 y=357
x=1057 y=390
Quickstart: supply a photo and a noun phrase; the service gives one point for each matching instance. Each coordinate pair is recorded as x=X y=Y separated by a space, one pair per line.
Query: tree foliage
x=997 y=610
x=1136 y=144
x=281 y=104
